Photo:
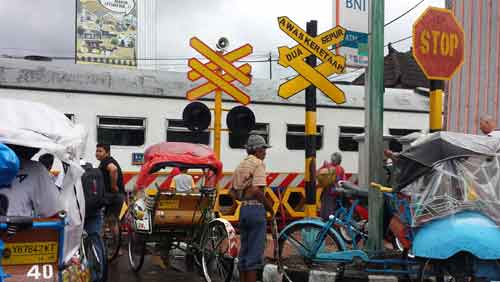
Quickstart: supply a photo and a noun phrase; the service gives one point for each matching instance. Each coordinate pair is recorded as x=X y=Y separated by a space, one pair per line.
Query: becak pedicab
x=181 y=220
x=448 y=201
x=444 y=210
x=44 y=249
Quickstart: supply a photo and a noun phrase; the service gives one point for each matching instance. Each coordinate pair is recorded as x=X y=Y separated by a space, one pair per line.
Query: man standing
x=249 y=180
x=113 y=178
x=487 y=124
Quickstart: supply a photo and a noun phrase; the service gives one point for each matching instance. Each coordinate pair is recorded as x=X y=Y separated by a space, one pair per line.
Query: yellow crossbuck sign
x=212 y=71
x=317 y=46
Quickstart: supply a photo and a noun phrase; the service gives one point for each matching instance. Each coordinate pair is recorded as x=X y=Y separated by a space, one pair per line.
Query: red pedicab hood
x=176 y=154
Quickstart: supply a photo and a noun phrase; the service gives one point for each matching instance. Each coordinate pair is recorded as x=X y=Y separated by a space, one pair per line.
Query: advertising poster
x=106 y=32
x=353 y=16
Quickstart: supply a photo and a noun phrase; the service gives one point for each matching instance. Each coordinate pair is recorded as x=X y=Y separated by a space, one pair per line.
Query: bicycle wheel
x=112 y=236
x=217 y=264
x=136 y=250
x=297 y=242
x=96 y=258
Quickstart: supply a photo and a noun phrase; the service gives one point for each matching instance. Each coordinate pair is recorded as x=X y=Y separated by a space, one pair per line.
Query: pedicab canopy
x=446 y=173
x=37 y=125
x=177 y=155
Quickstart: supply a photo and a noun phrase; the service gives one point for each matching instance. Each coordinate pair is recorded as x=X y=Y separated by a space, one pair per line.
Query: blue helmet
x=9 y=166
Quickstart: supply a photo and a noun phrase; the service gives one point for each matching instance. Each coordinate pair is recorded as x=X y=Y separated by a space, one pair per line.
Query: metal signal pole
x=374 y=110
x=310 y=134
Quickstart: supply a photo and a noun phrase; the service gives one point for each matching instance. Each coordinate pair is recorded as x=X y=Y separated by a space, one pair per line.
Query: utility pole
x=374 y=110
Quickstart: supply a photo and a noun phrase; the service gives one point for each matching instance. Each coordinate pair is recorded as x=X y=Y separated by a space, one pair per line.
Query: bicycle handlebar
x=381 y=188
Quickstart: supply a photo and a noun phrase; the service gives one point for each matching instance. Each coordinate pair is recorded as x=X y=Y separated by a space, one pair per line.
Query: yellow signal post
x=436 y=106
x=217 y=117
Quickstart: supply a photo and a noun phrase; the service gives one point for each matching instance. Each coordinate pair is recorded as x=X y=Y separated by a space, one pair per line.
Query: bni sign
x=353 y=16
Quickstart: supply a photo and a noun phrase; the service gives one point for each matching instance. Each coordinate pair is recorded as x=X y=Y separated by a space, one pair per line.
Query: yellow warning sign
x=219 y=71
x=317 y=46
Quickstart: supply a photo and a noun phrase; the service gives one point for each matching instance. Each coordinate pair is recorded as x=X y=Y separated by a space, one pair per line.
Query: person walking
x=249 y=181
x=328 y=195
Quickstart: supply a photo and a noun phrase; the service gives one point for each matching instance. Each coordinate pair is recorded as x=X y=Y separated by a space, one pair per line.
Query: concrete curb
x=270 y=274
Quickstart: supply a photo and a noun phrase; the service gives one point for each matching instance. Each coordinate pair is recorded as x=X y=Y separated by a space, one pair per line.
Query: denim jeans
x=253 y=237
x=93 y=227
x=93 y=224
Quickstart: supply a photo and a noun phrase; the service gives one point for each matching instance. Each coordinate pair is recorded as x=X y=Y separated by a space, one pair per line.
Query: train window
x=178 y=132
x=346 y=141
x=121 y=131
x=394 y=145
x=238 y=141
x=295 y=137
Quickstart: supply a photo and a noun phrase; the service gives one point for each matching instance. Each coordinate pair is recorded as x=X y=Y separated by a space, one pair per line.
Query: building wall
x=147 y=34
x=474 y=90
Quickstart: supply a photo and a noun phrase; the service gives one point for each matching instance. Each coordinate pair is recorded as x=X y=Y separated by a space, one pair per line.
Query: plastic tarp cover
x=37 y=125
x=458 y=184
x=429 y=150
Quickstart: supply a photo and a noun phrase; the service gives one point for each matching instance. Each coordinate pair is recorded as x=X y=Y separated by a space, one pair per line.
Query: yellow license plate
x=169 y=204
x=30 y=253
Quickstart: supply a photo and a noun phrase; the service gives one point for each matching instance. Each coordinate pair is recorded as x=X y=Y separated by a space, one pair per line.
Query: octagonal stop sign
x=438 y=43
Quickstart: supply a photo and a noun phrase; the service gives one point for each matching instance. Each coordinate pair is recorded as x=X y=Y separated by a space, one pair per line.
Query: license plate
x=143 y=224
x=30 y=253
x=168 y=204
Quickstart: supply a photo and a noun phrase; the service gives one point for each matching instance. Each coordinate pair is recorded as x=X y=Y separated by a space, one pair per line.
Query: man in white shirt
x=183 y=182
x=33 y=192
x=488 y=125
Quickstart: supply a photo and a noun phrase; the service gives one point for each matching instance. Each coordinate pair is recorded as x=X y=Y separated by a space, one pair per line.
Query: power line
x=398 y=41
x=404 y=14
x=263 y=58
x=385 y=25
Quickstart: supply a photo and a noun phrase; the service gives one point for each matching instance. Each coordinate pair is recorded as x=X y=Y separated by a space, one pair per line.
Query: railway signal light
x=196 y=116
x=240 y=120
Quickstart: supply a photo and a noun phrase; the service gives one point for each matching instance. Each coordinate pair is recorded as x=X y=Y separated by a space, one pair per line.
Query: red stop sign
x=438 y=43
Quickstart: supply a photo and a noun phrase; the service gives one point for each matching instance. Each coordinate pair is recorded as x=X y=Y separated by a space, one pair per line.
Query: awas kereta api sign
x=106 y=32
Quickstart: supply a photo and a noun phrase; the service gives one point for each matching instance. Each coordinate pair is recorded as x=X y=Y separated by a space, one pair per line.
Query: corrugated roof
x=400 y=71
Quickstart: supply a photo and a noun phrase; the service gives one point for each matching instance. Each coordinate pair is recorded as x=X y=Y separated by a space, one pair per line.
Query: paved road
x=151 y=272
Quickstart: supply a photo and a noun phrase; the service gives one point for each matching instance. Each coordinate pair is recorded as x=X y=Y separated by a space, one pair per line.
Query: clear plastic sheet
x=454 y=185
x=37 y=125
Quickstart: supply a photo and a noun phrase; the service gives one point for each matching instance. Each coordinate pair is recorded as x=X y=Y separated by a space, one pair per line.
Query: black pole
x=310 y=133
x=270 y=66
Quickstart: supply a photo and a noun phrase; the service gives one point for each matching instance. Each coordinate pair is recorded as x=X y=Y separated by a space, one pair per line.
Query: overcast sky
x=46 y=27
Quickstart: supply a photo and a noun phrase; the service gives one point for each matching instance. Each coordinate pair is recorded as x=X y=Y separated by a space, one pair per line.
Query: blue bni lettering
x=356 y=5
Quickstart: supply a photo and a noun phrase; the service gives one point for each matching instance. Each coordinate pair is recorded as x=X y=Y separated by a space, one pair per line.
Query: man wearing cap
x=249 y=179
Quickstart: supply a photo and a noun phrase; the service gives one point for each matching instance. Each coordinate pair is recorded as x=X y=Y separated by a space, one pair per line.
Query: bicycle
x=95 y=256
x=113 y=226
x=313 y=239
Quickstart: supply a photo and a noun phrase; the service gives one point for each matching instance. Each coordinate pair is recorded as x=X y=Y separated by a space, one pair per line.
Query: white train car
x=133 y=109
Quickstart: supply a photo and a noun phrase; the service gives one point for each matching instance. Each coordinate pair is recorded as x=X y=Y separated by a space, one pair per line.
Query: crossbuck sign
x=317 y=46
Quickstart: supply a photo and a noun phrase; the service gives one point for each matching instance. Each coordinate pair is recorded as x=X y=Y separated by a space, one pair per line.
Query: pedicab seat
x=179 y=209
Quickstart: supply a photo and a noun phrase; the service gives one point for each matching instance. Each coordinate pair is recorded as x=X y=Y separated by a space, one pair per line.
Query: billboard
x=353 y=16
x=106 y=32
